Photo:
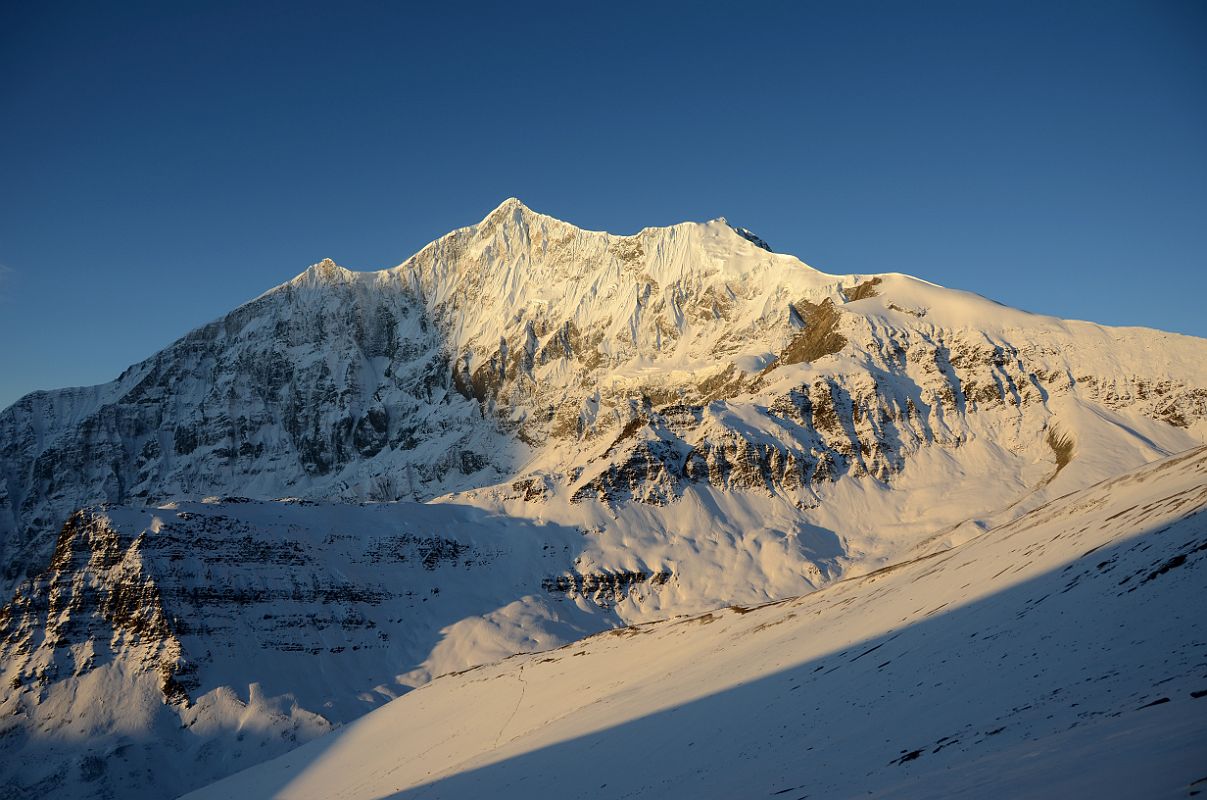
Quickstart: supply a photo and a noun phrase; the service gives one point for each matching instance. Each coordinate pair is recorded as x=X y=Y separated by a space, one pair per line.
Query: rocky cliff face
x=96 y=598
x=324 y=387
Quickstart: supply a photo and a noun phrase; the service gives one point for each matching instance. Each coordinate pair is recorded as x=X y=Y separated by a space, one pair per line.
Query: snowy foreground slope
x=1059 y=655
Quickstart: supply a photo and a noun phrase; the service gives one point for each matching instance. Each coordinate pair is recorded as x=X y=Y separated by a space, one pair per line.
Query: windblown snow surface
x=1063 y=654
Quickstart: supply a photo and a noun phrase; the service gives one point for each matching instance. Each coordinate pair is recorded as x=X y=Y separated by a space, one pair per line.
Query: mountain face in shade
x=524 y=434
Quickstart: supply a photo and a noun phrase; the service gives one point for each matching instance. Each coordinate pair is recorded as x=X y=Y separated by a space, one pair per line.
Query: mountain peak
x=511 y=209
x=511 y=204
x=323 y=273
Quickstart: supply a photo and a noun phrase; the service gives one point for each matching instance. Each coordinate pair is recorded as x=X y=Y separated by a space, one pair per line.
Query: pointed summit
x=511 y=203
x=510 y=209
x=324 y=272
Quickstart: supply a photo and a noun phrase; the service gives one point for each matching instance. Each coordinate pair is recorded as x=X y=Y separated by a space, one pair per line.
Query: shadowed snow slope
x=1060 y=654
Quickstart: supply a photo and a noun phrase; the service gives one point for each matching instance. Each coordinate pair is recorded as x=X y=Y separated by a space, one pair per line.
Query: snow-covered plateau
x=524 y=435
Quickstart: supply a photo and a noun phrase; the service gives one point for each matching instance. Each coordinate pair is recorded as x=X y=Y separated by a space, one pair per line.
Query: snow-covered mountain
x=605 y=431
x=525 y=351
x=1059 y=655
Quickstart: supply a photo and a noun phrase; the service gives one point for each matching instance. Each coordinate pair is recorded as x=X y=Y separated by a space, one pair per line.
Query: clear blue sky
x=162 y=163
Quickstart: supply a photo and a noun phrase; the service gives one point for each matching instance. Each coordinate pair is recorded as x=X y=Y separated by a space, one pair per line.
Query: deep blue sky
x=161 y=164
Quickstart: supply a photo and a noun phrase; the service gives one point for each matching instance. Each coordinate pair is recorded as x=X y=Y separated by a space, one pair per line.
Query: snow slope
x=1058 y=655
